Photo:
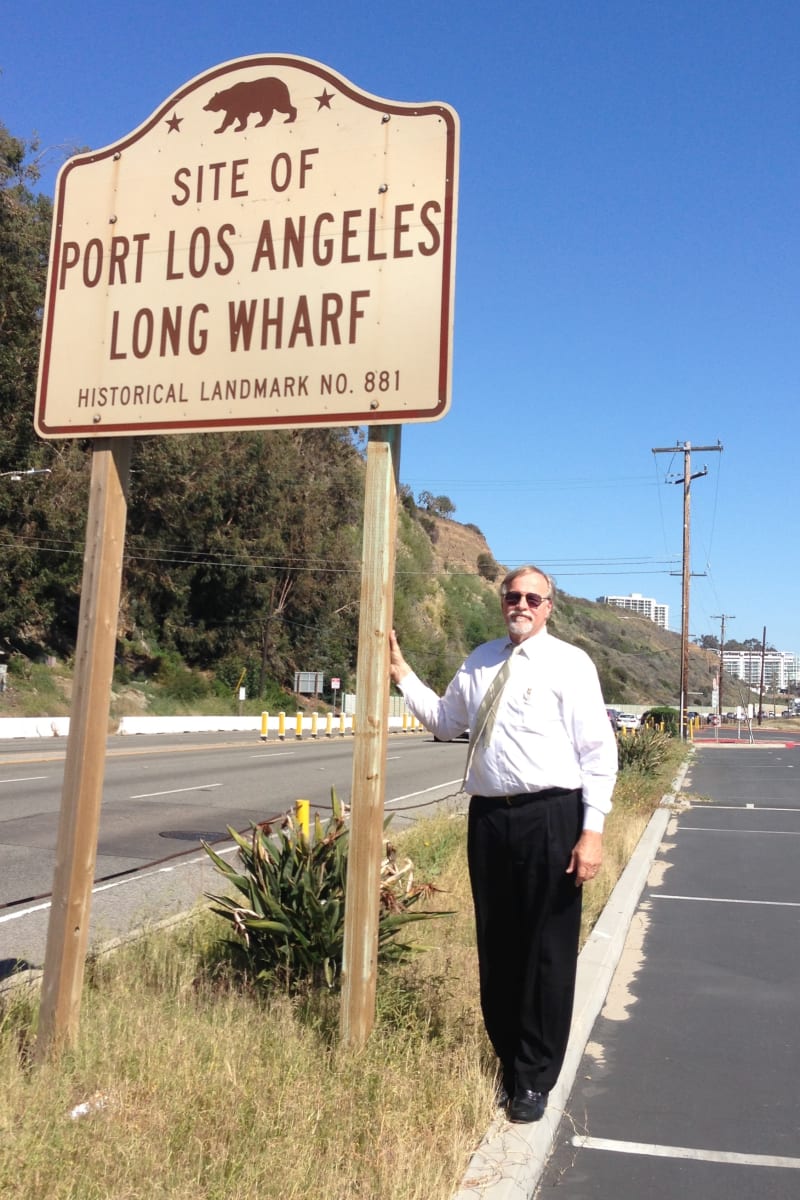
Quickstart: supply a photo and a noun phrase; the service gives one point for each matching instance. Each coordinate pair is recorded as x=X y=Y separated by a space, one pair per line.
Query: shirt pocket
x=532 y=708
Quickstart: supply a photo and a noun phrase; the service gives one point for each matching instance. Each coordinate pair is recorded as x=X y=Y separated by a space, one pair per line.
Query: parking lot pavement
x=688 y=1083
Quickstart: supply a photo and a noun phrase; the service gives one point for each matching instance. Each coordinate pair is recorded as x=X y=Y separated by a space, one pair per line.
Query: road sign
x=273 y=247
x=336 y=684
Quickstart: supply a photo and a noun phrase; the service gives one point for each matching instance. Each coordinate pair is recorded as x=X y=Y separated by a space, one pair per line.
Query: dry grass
x=635 y=798
x=198 y=1091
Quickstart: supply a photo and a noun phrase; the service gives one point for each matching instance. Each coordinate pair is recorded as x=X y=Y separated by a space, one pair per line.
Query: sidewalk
x=681 y=1078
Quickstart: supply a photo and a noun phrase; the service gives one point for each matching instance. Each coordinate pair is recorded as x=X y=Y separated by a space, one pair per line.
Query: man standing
x=541 y=767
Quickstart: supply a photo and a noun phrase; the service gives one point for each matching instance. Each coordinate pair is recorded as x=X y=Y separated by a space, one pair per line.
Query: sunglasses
x=533 y=600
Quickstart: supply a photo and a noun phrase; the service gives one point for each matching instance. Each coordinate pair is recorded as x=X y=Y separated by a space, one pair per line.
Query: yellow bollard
x=341 y=724
x=298 y=726
x=282 y=725
x=405 y=722
x=264 y=726
x=353 y=723
x=302 y=810
x=329 y=725
x=413 y=724
x=314 y=721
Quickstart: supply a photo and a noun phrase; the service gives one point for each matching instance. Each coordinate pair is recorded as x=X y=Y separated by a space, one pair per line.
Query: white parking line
x=273 y=754
x=725 y=900
x=747 y=832
x=203 y=787
x=652 y=1150
x=759 y=807
x=23 y=779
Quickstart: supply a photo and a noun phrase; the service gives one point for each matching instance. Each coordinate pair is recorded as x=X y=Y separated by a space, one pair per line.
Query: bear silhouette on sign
x=264 y=96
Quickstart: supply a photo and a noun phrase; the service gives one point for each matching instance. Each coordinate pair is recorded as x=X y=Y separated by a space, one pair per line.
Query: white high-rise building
x=645 y=606
x=781 y=668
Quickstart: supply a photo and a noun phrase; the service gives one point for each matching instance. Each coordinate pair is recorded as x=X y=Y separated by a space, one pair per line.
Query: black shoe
x=527 y=1106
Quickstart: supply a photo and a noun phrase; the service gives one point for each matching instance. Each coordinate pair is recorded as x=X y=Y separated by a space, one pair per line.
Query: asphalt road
x=163 y=795
x=688 y=1085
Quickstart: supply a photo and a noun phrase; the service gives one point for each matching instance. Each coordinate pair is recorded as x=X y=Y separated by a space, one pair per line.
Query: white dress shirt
x=552 y=729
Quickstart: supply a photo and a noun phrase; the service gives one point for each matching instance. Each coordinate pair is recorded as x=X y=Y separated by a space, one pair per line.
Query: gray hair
x=526 y=569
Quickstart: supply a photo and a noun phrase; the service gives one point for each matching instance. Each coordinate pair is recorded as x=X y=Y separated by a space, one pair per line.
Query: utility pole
x=723 y=617
x=686 y=448
x=761 y=680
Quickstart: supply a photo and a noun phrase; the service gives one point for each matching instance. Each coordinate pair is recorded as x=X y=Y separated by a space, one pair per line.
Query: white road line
x=273 y=754
x=650 y=1149
x=115 y=883
x=411 y=795
x=24 y=779
x=725 y=900
x=23 y=912
x=203 y=787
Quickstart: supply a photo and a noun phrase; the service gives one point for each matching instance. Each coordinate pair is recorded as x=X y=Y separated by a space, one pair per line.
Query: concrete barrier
x=34 y=727
x=49 y=727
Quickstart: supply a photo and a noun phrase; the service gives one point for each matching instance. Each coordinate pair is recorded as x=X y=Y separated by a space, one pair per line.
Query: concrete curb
x=509 y=1161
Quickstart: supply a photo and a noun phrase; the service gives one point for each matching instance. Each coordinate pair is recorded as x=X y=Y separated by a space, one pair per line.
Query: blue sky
x=628 y=257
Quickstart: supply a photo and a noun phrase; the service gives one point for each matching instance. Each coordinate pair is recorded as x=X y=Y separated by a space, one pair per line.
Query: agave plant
x=645 y=752
x=288 y=914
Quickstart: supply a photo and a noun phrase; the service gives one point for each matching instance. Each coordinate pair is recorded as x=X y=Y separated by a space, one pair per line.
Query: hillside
x=638 y=662
x=444 y=605
x=458 y=547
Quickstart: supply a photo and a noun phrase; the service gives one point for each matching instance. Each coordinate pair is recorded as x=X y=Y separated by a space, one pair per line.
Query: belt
x=521 y=798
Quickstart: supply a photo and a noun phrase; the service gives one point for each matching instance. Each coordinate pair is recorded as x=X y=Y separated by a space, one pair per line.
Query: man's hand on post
x=586 y=857
x=398 y=667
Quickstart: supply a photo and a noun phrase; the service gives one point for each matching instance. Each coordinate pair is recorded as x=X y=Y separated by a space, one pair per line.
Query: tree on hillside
x=437 y=506
x=41 y=517
x=488 y=567
x=243 y=548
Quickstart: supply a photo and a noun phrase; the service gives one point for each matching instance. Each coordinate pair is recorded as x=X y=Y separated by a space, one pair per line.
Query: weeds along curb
x=31 y=977
x=508 y=1163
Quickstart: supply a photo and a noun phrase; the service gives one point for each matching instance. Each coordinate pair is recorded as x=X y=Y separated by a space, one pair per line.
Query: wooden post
x=359 y=971
x=76 y=852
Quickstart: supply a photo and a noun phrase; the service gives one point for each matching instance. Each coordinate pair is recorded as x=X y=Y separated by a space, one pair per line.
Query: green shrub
x=179 y=681
x=643 y=751
x=663 y=718
x=288 y=919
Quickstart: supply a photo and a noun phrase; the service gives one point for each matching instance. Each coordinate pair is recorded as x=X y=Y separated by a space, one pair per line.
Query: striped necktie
x=486 y=715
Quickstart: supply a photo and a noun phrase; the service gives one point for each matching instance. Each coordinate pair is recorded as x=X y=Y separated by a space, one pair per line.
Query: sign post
x=360 y=955
x=76 y=850
x=273 y=248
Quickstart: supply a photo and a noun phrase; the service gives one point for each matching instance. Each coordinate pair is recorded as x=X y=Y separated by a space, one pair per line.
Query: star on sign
x=174 y=123
x=324 y=101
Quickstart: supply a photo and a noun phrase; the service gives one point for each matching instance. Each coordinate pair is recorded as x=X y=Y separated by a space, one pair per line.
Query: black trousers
x=527 y=918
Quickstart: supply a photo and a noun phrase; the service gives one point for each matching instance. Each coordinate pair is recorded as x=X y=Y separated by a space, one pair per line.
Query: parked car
x=627 y=721
x=613 y=715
